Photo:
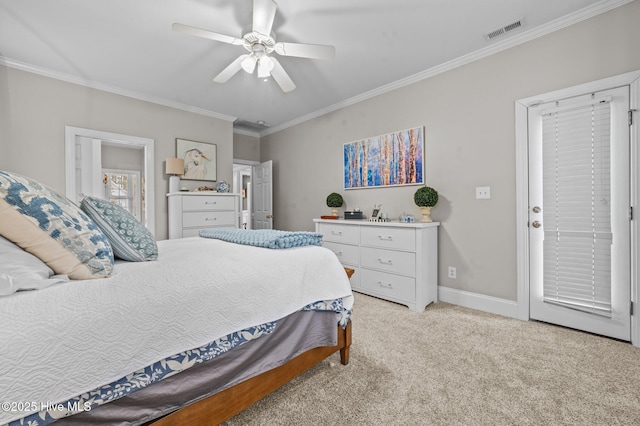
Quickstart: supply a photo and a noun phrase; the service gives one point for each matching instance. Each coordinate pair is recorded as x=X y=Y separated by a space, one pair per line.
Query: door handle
x=269 y=216
x=536 y=224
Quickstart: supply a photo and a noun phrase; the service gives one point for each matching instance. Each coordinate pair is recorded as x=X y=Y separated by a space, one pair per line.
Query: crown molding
x=111 y=89
x=494 y=47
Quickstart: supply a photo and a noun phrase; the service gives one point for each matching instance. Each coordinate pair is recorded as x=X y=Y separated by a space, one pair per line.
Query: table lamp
x=175 y=168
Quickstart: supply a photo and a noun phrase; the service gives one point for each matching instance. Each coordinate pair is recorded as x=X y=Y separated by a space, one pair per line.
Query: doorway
x=85 y=166
x=577 y=265
x=254 y=182
x=242 y=185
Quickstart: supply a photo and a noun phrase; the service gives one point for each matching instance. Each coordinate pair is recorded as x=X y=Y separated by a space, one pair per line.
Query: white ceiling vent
x=249 y=125
x=505 y=29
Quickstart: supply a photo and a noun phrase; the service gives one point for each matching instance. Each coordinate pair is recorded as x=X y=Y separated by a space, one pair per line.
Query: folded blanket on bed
x=267 y=238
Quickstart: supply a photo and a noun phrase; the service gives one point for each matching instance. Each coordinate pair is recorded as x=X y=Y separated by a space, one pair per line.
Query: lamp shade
x=248 y=64
x=265 y=65
x=175 y=166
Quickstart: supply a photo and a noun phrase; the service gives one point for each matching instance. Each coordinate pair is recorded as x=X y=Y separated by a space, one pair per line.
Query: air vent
x=505 y=29
x=250 y=125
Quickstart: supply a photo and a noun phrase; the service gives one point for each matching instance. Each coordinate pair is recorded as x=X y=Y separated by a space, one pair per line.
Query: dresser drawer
x=208 y=219
x=208 y=202
x=339 y=233
x=393 y=287
x=346 y=254
x=397 y=262
x=388 y=237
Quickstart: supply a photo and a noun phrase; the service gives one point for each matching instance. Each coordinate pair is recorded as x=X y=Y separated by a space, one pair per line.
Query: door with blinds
x=579 y=213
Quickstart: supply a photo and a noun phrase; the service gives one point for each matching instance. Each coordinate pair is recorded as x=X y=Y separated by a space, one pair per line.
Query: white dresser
x=394 y=261
x=190 y=212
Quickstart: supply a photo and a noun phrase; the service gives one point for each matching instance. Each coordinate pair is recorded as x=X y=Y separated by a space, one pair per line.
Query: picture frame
x=200 y=159
x=392 y=159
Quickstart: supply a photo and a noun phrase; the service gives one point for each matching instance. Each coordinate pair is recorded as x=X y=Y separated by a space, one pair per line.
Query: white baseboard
x=494 y=305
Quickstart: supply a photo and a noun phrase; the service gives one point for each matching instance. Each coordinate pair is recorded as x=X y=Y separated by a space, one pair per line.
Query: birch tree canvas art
x=386 y=160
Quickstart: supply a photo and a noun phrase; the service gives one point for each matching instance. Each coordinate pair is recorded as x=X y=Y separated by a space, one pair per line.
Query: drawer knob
x=336 y=232
x=207 y=219
x=210 y=202
x=385 y=262
x=387 y=238
x=387 y=285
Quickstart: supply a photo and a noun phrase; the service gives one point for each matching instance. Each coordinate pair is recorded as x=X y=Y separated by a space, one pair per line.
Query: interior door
x=262 y=188
x=88 y=154
x=579 y=213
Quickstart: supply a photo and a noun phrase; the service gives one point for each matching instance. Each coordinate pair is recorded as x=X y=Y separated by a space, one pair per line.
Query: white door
x=88 y=165
x=579 y=213
x=262 y=186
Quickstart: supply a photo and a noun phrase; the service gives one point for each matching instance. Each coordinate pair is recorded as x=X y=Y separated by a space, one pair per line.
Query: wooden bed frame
x=217 y=408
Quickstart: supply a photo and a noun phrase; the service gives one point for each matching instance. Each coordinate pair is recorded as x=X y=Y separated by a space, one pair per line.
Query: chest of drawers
x=394 y=261
x=190 y=212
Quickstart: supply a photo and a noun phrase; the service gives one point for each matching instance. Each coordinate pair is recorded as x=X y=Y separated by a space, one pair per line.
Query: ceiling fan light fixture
x=249 y=64
x=265 y=65
x=259 y=41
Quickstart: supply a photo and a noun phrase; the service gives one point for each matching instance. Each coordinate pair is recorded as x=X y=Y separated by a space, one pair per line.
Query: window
x=122 y=187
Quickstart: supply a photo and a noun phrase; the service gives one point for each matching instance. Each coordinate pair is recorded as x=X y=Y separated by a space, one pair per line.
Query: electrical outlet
x=483 y=192
x=452 y=272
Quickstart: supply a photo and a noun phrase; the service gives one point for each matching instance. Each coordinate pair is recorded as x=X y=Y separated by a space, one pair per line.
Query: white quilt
x=73 y=337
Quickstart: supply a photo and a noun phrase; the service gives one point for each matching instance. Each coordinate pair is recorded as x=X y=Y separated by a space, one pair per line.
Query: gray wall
x=246 y=147
x=34 y=111
x=468 y=114
x=118 y=158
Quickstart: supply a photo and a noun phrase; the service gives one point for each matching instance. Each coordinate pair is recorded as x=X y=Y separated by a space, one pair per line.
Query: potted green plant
x=335 y=201
x=425 y=198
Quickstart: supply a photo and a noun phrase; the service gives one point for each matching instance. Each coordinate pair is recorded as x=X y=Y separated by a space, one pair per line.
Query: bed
x=192 y=335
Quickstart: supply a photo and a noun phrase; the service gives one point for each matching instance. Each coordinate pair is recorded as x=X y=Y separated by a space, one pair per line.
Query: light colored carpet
x=455 y=366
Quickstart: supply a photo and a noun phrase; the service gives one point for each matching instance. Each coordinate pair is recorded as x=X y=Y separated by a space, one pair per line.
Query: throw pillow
x=52 y=228
x=129 y=239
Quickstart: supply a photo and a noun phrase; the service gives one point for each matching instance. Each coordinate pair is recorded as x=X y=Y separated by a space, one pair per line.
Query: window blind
x=577 y=206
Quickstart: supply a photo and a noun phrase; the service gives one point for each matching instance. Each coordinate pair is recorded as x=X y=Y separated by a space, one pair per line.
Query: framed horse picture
x=199 y=159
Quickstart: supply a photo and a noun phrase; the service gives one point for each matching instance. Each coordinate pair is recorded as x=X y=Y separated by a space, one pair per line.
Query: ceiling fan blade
x=281 y=77
x=312 y=51
x=230 y=70
x=264 y=11
x=198 y=32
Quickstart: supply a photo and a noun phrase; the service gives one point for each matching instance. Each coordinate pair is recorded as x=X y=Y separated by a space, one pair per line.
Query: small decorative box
x=353 y=215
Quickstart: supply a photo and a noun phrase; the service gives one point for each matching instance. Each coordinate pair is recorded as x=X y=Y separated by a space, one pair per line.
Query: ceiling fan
x=260 y=43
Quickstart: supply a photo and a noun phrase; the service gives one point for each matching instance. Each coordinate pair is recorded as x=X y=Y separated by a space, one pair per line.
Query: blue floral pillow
x=129 y=239
x=52 y=228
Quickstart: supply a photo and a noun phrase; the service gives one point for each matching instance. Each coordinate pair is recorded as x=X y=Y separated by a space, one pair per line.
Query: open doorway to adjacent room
x=254 y=182
x=242 y=186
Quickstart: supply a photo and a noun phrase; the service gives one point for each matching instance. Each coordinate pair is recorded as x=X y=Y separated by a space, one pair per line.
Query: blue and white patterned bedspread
x=266 y=238
x=166 y=368
x=199 y=290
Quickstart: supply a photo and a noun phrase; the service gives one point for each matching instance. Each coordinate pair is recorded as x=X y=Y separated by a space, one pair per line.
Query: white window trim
x=522 y=209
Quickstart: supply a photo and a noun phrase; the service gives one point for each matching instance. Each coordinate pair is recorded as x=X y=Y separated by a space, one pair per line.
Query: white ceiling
x=127 y=46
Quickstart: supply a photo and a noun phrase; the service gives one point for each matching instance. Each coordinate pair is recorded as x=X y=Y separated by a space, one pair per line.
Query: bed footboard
x=217 y=408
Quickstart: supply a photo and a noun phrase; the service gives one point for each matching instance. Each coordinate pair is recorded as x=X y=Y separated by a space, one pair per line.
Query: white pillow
x=20 y=270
